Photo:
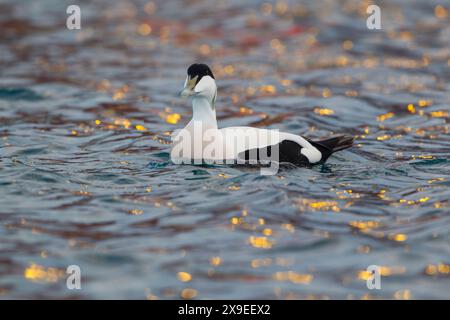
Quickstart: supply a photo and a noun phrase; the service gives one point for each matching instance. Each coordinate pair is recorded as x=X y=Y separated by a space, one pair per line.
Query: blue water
x=86 y=179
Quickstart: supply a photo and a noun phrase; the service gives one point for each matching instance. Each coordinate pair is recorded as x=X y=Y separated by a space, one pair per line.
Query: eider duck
x=201 y=141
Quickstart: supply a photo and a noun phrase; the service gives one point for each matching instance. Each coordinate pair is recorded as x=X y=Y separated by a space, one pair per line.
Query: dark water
x=85 y=177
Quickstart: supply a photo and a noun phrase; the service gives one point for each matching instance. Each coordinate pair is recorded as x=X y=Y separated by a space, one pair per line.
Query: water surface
x=85 y=177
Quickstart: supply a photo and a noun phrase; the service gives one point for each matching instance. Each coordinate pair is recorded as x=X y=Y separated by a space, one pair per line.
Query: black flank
x=289 y=152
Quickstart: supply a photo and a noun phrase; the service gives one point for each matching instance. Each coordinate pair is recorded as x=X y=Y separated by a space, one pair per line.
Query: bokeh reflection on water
x=85 y=177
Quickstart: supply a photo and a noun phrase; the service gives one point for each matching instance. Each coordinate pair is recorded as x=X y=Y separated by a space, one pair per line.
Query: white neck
x=203 y=111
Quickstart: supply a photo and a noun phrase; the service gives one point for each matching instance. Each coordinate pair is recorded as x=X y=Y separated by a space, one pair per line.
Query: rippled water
x=85 y=177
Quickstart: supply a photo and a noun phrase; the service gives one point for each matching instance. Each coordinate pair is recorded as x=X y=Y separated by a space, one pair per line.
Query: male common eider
x=202 y=141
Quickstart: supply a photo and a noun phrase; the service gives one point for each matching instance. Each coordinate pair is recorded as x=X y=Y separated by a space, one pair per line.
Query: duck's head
x=200 y=83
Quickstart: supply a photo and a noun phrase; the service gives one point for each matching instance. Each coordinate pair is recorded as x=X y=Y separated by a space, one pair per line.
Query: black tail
x=333 y=144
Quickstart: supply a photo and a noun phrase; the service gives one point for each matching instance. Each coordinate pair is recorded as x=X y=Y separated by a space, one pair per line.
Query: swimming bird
x=202 y=140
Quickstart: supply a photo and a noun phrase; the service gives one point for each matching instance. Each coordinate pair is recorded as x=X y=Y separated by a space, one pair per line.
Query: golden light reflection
x=364 y=275
x=385 y=116
x=402 y=295
x=414 y=202
x=37 y=273
x=411 y=108
x=367 y=296
x=151 y=297
x=440 y=268
x=118 y=95
x=98 y=122
x=405 y=35
x=382 y=195
x=384 y=137
x=204 y=49
x=400 y=237
x=215 y=261
x=440 y=12
x=394 y=270
x=123 y=122
x=347 y=194
x=136 y=212
x=184 y=276
x=347 y=45
x=422 y=156
x=260 y=242
x=223 y=175
x=140 y=127
x=289 y=227
x=304 y=204
x=293 y=277
x=326 y=93
x=189 y=293
x=439 y=205
x=435 y=180
x=236 y=220
x=384 y=271
x=229 y=69
x=281 y=7
x=245 y=110
x=144 y=29
x=323 y=111
x=439 y=114
x=341 y=61
x=351 y=93
x=424 y=103
x=173 y=118
x=269 y=89
x=364 y=225
x=325 y=205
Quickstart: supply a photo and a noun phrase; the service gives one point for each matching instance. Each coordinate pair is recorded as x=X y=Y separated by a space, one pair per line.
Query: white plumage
x=202 y=140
